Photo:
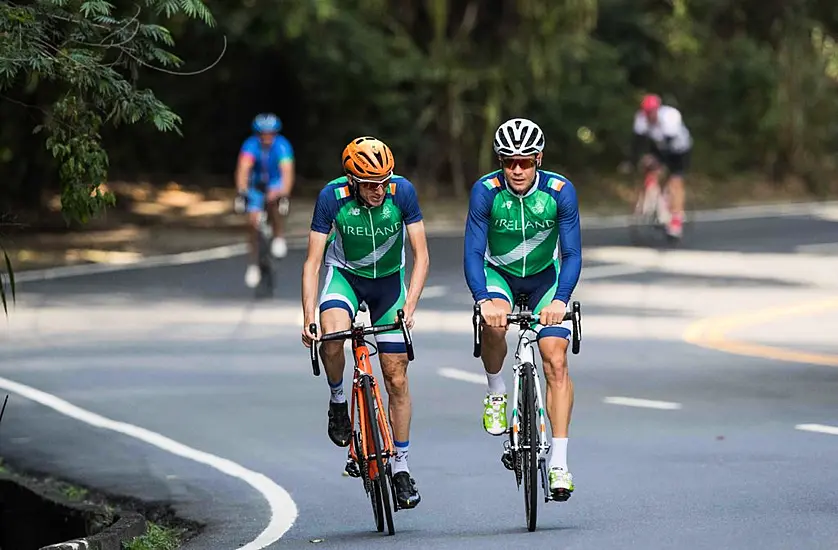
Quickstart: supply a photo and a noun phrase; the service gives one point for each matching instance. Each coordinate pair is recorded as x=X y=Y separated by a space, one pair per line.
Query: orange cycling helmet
x=368 y=158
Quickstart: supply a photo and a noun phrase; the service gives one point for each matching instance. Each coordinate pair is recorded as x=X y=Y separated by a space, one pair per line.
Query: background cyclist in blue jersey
x=522 y=236
x=265 y=172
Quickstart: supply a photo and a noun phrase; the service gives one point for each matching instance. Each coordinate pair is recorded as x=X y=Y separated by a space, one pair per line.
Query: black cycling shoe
x=406 y=493
x=340 y=428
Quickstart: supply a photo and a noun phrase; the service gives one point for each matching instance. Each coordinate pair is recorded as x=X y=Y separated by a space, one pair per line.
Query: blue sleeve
x=570 y=239
x=250 y=147
x=285 y=151
x=407 y=201
x=476 y=239
x=325 y=210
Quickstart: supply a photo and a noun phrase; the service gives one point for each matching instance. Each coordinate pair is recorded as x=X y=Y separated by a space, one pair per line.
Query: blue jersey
x=521 y=235
x=267 y=160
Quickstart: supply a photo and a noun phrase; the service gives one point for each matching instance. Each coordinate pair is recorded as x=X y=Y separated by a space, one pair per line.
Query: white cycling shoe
x=252 y=276
x=279 y=248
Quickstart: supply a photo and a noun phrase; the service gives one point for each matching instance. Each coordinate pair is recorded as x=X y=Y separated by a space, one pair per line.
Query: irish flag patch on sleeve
x=555 y=184
x=342 y=192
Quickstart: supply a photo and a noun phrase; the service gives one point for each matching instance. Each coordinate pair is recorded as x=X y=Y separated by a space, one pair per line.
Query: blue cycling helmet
x=266 y=123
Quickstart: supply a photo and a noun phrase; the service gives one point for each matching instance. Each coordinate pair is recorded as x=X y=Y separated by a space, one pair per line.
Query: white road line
x=283 y=509
x=184 y=258
x=434 y=291
x=819 y=428
x=644 y=403
x=463 y=375
x=820 y=248
x=614 y=270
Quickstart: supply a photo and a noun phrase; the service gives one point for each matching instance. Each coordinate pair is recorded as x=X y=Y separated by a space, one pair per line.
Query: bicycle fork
x=525 y=358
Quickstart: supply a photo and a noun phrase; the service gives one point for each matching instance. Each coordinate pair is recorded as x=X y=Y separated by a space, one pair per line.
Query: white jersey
x=669 y=125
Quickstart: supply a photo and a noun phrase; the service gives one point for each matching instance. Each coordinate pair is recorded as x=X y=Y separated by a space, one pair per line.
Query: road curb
x=128 y=526
x=22 y=499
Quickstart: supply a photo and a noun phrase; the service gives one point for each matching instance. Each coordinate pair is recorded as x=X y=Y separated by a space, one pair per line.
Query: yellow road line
x=711 y=333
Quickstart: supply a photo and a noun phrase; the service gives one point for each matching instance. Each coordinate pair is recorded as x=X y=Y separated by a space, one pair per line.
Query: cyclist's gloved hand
x=493 y=316
x=239 y=203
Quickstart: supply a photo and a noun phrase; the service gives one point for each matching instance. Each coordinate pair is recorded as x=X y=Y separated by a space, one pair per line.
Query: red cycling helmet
x=651 y=102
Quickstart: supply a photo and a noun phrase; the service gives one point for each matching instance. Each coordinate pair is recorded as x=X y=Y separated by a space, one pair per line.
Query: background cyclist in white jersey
x=659 y=131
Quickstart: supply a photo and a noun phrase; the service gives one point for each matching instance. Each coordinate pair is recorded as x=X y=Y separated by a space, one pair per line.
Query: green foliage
x=156 y=538
x=90 y=52
x=754 y=80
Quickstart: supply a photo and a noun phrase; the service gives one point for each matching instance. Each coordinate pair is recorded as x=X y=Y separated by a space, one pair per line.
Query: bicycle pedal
x=352 y=469
x=508 y=463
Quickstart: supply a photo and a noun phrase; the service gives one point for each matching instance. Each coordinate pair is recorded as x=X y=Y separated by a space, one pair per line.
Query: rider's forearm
x=287 y=178
x=418 y=277
x=570 y=238
x=568 y=276
x=476 y=238
x=241 y=179
x=311 y=274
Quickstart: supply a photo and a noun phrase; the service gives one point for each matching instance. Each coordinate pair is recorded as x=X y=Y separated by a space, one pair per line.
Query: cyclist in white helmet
x=522 y=236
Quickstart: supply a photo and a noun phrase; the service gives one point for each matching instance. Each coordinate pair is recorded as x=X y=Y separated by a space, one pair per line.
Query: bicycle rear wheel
x=380 y=481
x=529 y=450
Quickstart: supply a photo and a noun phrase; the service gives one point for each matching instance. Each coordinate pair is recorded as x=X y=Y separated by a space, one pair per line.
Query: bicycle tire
x=377 y=510
x=381 y=476
x=372 y=488
x=529 y=433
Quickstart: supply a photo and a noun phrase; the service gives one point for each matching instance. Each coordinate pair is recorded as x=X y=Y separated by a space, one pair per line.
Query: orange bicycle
x=371 y=445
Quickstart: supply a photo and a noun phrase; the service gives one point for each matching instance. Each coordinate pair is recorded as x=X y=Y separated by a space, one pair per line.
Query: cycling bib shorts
x=384 y=296
x=540 y=289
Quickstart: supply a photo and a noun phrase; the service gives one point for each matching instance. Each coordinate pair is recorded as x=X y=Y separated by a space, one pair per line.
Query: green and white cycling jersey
x=523 y=235
x=367 y=241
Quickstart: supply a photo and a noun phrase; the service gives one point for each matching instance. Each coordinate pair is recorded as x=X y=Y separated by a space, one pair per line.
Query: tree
x=89 y=55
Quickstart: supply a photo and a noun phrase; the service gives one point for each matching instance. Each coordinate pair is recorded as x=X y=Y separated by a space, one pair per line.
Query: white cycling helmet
x=518 y=136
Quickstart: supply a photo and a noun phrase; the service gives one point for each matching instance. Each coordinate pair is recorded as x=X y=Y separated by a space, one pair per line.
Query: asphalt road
x=183 y=351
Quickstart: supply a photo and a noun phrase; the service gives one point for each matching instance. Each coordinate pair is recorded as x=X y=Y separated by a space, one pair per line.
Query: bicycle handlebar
x=526 y=317
x=360 y=332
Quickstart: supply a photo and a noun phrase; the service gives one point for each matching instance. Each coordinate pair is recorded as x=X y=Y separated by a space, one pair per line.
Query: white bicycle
x=528 y=447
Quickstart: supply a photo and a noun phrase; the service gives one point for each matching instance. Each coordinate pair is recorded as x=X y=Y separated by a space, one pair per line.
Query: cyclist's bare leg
x=559 y=398
x=493 y=344
x=277 y=221
x=334 y=360
x=559 y=395
x=253 y=236
x=675 y=191
x=651 y=178
x=394 y=369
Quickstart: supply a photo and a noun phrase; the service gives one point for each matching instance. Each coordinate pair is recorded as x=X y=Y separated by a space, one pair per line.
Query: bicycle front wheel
x=380 y=480
x=529 y=446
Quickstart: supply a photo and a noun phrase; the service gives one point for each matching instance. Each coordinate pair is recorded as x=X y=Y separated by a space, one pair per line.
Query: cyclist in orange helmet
x=360 y=221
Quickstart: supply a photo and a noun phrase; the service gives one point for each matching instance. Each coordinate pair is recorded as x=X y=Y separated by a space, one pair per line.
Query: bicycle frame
x=363 y=369
x=525 y=357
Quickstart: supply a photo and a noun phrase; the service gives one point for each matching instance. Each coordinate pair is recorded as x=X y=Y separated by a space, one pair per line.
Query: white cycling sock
x=399 y=462
x=496 y=383
x=337 y=392
x=558 y=459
